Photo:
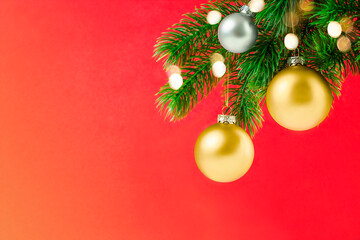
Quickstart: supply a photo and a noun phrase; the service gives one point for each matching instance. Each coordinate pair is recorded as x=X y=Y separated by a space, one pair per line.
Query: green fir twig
x=190 y=44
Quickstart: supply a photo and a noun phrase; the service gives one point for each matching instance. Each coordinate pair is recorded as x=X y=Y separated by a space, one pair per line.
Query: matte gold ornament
x=299 y=98
x=224 y=152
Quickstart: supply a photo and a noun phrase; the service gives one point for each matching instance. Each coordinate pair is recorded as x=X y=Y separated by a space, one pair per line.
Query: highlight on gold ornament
x=224 y=152
x=296 y=65
x=298 y=97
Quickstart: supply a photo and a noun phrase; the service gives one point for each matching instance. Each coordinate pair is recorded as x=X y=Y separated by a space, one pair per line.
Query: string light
x=256 y=5
x=219 y=69
x=214 y=17
x=218 y=66
x=291 y=41
x=175 y=81
x=334 y=29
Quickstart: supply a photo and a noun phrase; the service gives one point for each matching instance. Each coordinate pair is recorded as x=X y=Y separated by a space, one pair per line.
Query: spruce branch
x=329 y=10
x=198 y=82
x=191 y=43
x=182 y=40
x=245 y=104
x=255 y=71
x=271 y=19
x=262 y=62
x=357 y=49
x=322 y=54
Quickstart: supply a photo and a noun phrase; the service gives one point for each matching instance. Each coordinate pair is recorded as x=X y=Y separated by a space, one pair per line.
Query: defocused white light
x=256 y=5
x=291 y=41
x=176 y=81
x=214 y=17
x=334 y=29
x=219 y=69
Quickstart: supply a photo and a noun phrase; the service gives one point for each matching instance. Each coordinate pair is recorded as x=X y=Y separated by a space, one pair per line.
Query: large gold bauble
x=224 y=152
x=299 y=98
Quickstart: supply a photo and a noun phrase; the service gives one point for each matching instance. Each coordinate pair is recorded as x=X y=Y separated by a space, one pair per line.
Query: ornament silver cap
x=227 y=119
x=297 y=60
x=246 y=11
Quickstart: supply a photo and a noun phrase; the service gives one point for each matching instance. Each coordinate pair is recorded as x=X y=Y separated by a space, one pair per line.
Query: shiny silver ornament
x=237 y=32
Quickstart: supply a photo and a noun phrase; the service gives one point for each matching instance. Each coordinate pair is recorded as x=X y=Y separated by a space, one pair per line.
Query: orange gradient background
x=84 y=153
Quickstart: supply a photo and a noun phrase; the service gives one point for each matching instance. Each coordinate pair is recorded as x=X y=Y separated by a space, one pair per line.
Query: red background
x=84 y=153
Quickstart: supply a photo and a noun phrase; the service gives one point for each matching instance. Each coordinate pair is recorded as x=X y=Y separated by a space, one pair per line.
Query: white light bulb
x=291 y=41
x=334 y=29
x=256 y=5
x=214 y=17
x=175 y=81
x=219 y=69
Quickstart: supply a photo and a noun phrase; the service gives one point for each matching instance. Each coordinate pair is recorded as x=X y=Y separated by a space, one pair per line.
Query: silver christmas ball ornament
x=237 y=32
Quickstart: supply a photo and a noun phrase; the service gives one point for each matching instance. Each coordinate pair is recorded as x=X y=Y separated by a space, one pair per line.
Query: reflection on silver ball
x=237 y=33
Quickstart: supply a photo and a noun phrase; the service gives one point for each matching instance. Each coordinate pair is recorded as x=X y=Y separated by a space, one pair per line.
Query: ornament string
x=227 y=86
x=226 y=105
x=292 y=14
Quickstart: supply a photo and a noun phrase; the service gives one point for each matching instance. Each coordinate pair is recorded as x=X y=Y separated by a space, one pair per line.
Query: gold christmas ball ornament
x=224 y=152
x=299 y=98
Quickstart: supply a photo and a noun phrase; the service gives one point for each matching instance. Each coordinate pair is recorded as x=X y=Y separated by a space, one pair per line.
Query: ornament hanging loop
x=238 y=32
x=246 y=11
x=226 y=119
x=294 y=61
x=296 y=52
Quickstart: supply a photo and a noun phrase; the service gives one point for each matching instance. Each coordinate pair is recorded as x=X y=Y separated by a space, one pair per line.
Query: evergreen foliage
x=190 y=44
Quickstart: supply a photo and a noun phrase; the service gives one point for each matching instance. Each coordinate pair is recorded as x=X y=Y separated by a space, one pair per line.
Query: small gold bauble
x=224 y=152
x=299 y=98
